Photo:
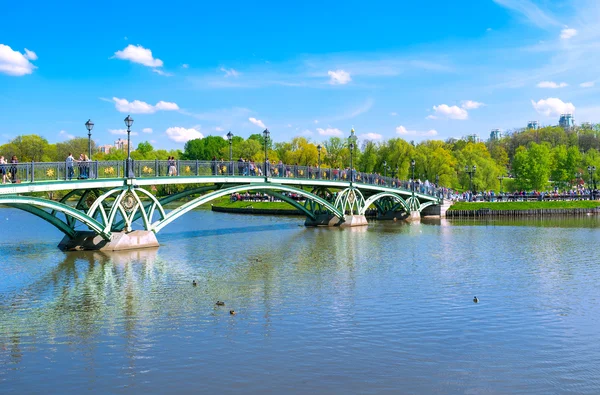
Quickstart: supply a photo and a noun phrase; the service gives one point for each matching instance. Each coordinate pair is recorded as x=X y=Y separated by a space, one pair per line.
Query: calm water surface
x=387 y=309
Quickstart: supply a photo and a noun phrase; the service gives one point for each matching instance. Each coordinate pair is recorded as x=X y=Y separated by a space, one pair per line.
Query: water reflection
x=319 y=310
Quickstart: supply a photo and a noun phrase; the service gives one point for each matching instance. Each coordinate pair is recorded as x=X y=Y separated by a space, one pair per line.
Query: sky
x=184 y=70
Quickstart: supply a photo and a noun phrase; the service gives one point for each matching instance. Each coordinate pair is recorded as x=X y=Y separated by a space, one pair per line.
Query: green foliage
x=205 y=148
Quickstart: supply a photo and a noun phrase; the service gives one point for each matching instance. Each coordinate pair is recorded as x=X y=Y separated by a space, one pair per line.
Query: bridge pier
x=414 y=216
x=119 y=241
x=354 y=220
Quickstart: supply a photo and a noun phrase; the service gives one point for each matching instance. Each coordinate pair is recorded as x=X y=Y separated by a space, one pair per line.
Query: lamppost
x=412 y=180
x=470 y=172
x=384 y=169
x=89 y=125
x=397 y=169
x=591 y=170
x=266 y=135
x=319 y=162
x=500 y=178
x=128 y=122
x=230 y=139
x=351 y=145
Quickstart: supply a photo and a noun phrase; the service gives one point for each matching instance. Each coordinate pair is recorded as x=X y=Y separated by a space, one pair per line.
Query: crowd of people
x=83 y=164
x=9 y=173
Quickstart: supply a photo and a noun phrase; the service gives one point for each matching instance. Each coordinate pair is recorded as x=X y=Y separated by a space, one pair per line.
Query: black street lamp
x=89 y=125
x=470 y=172
x=500 y=178
x=352 y=144
x=128 y=122
x=230 y=139
x=397 y=169
x=266 y=135
x=319 y=162
x=591 y=170
x=412 y=181
x=384 y=169
x=437 y=181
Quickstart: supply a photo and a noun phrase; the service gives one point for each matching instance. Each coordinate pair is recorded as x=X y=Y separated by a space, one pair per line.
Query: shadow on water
x=224 y=231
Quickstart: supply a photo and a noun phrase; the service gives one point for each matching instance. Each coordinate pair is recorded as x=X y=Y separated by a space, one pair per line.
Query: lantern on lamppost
x=266 y=135
x=319 y=162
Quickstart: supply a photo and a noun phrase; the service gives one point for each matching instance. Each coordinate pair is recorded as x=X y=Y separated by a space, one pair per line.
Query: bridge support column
x=414 y=216
x=354 y=220
x=86 y=240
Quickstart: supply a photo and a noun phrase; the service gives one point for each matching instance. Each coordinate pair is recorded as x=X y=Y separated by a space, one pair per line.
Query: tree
x=144 y=148
x=76 y=146
x=28 y=148
x=205 y=148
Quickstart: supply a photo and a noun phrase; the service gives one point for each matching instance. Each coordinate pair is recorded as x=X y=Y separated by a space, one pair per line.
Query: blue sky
x=417 y=70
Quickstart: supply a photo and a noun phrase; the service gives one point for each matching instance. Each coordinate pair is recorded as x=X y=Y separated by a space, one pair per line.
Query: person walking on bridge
x=13 y=168
x=69 y=163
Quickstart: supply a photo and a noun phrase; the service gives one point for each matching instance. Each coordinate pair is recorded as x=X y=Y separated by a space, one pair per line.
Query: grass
x=226 y=203
x=499 y=206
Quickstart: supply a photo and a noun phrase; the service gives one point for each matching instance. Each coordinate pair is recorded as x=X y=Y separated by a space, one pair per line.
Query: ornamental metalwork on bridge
x=103 y=199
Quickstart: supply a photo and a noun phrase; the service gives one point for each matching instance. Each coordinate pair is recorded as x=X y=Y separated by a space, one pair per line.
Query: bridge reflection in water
x=103 y=207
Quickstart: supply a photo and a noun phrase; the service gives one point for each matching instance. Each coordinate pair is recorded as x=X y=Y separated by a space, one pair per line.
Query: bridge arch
x=36 y=207
x=382 y=195
x=268 y=188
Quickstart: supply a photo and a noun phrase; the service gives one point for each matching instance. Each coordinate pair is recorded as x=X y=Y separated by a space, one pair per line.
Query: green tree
x=28 y=148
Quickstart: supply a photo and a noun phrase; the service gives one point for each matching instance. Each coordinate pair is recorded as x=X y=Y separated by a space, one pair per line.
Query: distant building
x=566 y=121
x=121 y=144
x=473 y=138
x=495 y=134
x=533 y=125
x=105 y=149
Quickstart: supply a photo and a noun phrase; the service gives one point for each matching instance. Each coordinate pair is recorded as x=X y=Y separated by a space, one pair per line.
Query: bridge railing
x=56 y=171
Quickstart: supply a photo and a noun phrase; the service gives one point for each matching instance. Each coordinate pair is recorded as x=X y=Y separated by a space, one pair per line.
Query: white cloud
x=567 y=33
x=306 y=132
x=289 y=125
x=147 y=130
x=471 y=105
x=393 y=114
x=431 y=117
x=401 y=130
x=30 y=55
x=588 y=84
x=163 y=73
x=452 y=112
x=230 y=72
x=316 y=121
x=339 y=77
x=330 y=132
x=138 y=54
x=553 y=106
x=140 y=107
x=370 y=136
x=185 y=66
x=121 y=132
x=257 y=122
x=14 y=62
x=551 y=85
x=66 y=135
x=219 y=129
x=182 y=135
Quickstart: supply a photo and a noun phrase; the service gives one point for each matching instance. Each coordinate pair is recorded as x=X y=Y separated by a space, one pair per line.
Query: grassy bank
x=501 y=206
x=226 y=203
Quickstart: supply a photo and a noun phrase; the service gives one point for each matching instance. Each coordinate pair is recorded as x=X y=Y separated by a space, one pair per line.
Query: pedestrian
x=13 y=168
x=3 y=169
x=69 y=163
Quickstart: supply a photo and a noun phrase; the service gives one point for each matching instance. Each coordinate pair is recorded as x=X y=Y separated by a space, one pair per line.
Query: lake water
x=383 y=309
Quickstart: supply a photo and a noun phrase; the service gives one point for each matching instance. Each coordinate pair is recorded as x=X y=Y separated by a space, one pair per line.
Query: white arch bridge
x=107 y=202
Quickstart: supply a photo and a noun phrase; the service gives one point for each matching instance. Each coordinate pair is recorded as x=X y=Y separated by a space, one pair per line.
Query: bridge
x=110 y=204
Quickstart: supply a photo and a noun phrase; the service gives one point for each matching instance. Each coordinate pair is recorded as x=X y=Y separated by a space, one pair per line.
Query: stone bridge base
x=414 y=216
x=86 y=240
x=354 y=220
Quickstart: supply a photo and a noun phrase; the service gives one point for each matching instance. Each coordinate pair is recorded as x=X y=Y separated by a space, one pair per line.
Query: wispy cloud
x=532 y=13
x=402 y=131
x=587 y=84
x=63 y=134
x=121 y=132
x=551 y=85
x=568 y=33
x=230 y=72
x=183 y=135
x=370 y=136
x=335 y=132
x=140 y=107
x=339 y=77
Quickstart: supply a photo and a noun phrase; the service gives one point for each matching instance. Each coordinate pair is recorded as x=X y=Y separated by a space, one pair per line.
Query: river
x=383 y=309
